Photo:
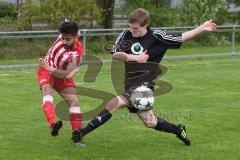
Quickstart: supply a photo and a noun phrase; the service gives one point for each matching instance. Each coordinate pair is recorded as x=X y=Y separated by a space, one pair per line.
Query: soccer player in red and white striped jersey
x=56 y=72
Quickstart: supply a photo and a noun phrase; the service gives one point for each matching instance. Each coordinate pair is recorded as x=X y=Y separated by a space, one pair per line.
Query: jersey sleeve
x=77 y=59
x=80 y=49
x=118 y=43
x=73 y=62
x=171 y=41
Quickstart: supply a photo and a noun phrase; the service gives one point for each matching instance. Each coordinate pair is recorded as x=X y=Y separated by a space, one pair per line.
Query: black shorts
x=128 y=92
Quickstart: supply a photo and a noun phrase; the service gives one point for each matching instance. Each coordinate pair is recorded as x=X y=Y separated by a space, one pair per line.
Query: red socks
x=49 y=112
x=75 y=117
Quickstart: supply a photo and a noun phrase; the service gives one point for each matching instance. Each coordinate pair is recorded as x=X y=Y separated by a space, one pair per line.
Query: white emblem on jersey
x=136 y=48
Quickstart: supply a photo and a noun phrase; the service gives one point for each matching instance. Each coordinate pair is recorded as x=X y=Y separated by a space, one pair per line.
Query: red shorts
x=58 y=84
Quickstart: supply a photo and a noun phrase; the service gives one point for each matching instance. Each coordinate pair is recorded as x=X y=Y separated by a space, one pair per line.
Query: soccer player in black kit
x=146 y=46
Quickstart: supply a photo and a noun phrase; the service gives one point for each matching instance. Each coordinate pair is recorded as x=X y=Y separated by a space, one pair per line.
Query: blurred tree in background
x=235 y=15
x=100 y=13
x=160 y=11
x=195 y=12
x=26 y=14
x=7 y=10
x=8 y=13
x=54 y=11
x=107 y=11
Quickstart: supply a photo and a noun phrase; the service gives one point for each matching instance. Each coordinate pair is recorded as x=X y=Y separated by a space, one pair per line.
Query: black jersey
x=155 y=42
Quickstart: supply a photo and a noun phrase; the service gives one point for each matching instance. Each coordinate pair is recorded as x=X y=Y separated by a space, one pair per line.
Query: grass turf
x=205 y=98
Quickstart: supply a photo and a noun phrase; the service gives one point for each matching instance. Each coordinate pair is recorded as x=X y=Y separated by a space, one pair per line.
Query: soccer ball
x=142 y=98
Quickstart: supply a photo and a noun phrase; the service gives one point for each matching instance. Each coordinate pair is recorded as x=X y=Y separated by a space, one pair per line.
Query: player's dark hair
x=69 y=28
x=140 y=16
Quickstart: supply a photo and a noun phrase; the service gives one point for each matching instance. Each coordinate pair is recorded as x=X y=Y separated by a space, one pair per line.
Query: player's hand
x=44 y=64
x=143 y=57
x=209 y=26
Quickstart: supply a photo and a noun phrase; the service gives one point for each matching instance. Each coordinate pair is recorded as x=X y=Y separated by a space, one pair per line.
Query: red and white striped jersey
x=58 y=56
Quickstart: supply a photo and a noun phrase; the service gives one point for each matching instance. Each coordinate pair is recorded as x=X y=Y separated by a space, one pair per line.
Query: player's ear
x=78 y=34
x=145 y=26
x=76 y=37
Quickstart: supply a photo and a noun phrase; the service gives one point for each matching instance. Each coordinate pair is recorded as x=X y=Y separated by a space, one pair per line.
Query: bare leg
x=69 y=94
x=48 y=108
x=112 y=106
x=159 y=124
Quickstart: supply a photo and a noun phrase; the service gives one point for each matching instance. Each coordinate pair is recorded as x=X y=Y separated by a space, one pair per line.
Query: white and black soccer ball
x=142 y=98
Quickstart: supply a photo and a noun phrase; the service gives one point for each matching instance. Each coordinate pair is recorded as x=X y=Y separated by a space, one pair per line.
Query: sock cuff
x=47 y=98
x=74 y=110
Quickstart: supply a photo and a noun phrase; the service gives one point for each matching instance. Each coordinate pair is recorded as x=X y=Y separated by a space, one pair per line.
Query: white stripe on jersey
x=61 y=51
x=65 y=56
x=118 y=39
x=53 y=49
x=166 y=37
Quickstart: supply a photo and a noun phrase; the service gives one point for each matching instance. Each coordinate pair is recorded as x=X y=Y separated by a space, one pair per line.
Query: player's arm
x=69 y=73
x=122 y=56
x=209 y=26
x=119 y=54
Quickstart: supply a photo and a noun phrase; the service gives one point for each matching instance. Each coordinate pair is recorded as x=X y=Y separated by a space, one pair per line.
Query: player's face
x=137 y=30
x=68 y=41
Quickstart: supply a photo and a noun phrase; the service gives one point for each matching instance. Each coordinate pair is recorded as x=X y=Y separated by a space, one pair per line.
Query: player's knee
x=149 y=124
x=111 y=104
x=73 y=101
x=47 y=90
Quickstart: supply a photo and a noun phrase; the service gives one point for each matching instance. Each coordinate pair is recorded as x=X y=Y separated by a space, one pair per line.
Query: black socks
x=165 y=126
x=99 y=120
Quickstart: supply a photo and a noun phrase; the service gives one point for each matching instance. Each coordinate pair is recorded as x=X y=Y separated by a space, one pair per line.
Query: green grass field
x=205 y=98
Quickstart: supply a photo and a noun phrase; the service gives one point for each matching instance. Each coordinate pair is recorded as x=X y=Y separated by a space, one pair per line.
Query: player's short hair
x=69 y=28
x=140 y=16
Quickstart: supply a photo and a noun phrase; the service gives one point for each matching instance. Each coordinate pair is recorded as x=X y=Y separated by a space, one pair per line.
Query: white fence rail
x=111 y=32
